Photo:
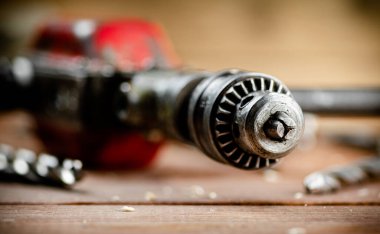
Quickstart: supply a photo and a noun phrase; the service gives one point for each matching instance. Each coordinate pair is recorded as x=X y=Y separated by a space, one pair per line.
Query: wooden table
x=185 y=192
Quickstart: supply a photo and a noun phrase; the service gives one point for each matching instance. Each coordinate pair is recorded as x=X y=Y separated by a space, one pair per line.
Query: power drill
x=97 y=89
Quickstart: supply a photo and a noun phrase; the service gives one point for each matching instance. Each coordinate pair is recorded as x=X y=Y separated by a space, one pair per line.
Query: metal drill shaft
x=333 y=179
x=339 y=101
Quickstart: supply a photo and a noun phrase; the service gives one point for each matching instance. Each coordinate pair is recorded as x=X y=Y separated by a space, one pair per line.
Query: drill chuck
x=247 y=120
x=244 y=119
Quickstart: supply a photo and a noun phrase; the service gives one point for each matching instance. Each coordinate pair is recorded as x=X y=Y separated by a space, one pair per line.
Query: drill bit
x=333 y=179
x=26 y=165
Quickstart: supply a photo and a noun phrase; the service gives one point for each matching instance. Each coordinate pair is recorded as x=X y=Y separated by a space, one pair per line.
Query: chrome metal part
x=26 y=165
x=244 y=119
x=333 y=179
x=359 y=101
x=235 y=111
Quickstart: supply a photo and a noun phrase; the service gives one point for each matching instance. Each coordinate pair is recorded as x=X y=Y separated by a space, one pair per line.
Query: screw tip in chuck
x=270 y=125
x=275 y=130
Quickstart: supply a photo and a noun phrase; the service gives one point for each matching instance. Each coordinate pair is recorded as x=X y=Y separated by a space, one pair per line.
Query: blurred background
x=304 y=43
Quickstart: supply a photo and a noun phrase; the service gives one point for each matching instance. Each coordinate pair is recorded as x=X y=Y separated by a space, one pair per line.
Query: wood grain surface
x=188 y=219
x=186 y=192
x=184 y=176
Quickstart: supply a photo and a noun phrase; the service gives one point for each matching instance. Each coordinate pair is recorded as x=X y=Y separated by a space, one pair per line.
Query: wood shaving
x=150 y=196
x=115 y=198
x=298 y=195
x=197 y=190
x=127 y=209
x=271 y=176
x=212 y=195
x=297 y=230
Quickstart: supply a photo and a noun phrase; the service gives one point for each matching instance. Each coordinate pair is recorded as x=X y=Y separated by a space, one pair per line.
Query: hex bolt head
x=275 y=130
x=280 y=127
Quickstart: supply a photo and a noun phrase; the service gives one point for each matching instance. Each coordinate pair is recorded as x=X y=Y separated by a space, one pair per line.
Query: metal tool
x=360 y=101
x=98 y=86
x=25 y=165
x=244 y=119
x=343 y=102
x=330 y=180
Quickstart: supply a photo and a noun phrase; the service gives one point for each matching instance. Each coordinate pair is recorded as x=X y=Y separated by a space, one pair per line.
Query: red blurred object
x=130 y=45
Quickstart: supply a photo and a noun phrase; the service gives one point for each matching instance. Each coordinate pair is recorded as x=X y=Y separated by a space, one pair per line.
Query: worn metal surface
x=332 y=179
x=358 y=101
x=25 y=165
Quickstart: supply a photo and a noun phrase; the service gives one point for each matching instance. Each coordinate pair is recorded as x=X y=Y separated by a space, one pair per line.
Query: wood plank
x=182 y=175
x=189 y=219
